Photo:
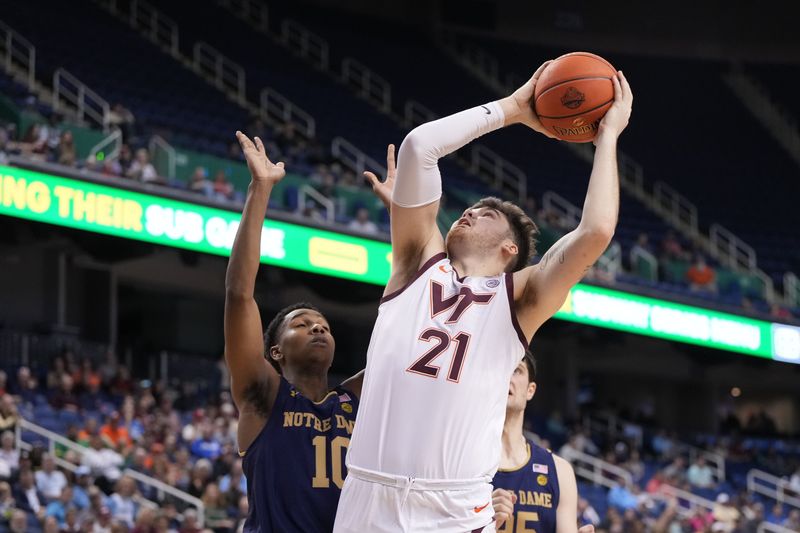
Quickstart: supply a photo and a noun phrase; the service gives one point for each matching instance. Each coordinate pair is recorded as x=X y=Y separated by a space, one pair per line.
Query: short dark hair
x=523 y=229
x=530 y=362
x=273 y=332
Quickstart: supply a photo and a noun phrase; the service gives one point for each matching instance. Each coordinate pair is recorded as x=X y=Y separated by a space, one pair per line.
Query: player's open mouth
x=463 y=222
x=319 y=341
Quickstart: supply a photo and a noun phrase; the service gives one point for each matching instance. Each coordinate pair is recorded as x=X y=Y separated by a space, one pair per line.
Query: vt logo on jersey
x=459 y=302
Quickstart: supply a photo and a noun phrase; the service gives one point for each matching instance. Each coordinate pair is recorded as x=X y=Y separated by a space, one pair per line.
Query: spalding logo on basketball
x=572 y=98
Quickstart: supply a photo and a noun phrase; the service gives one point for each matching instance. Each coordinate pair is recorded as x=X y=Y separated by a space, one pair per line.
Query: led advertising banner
x=150 y=218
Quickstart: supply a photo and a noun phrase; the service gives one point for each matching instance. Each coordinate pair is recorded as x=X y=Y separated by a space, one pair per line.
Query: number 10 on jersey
x=424 y=365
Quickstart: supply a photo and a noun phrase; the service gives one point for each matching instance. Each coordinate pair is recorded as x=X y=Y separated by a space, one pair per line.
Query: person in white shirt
x=103 y=462
x=8 y=454
x=700 y=474
x=123 y=506
x=50 y=480
x=362 y=223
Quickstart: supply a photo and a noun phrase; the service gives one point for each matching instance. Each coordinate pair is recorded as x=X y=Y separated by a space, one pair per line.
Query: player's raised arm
x=418 y=185
x=540 y=290
x=254 y=382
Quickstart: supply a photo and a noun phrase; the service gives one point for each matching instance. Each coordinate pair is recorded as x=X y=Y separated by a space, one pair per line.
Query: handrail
x=370 y=85
x=226 y=74
x=598 y=470
x=484 y=66
x=685 y=496
x=505 y=175
x=253 y=12
x=717 y=460
x=54 y=438
x=309 y=191
x=773 y=528
x=791 y=289
x=611 y=260
x=760 y=482
x=113 y=140
x=353 y=158
x=415 y=114
x=682 y=211
x=738 y=253
x=640 y=253
x=276 y=107
x=159 y=28
x=86 y=101
x=158 y=143
x=17 y=49
x=169 y=489
x=562 y=207
x=306 y=43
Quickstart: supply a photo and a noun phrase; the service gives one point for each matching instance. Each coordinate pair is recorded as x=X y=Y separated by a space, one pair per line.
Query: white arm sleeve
x=418 y=179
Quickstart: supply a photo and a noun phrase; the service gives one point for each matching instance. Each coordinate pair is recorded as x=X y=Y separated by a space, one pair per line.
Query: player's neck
x=515 y=447
x=313 y=386
x=476 y=266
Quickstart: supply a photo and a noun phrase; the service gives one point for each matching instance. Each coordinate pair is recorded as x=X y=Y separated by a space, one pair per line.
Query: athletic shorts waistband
x=413 y=483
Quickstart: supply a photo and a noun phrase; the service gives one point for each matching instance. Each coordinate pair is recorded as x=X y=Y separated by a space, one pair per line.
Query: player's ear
x=510 y=247
x=531 y=390
x=275 y=353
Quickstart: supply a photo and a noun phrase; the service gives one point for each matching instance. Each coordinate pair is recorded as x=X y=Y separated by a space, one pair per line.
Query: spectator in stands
x=64 y=397
x=7 y=502
x=89 y=428
x=234 y=481
x=779 y=312
x=207 y=446
x=701 y=276
x=26 y=386
x=362 y=223
x=676 y=470
x=18 y=523
x=622 y=497
x=199 y=183
x=66 y=153
x=189 y=524
x=142 y=169
x=121 y=117
x=671 y=248
x=115 y=434
x=223 y=189
x=792 y=522
x=794 y=481
x=635 y=466
x=3 y=383
x=49 y=480
x=8 y=453
x=725 y=514
x=700 y=474
x=58 y=508
x=216 y=513
x=145 y=520
x=80 y=490
x=50 y=525
x=662 y=444
x=28 y=497
x=50 y=133
x=8 y=413
x=587 y=514
x=122 y=502
x=57 y=370
x=200 y=476
x=104 y=463
x=701 y=520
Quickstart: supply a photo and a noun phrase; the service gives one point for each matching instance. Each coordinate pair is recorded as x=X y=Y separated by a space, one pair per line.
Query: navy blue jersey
x=295 y=468
x=536 y=486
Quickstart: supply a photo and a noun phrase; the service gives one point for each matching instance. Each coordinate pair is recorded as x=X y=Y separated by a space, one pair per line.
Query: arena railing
x=415 y=114
x=676 y=206
x=716 y=460
x=504 y=175
x=596 y=470
x=368 y=84
x=18 y=51
x=353 y=158
x=156 y=26
x=109 y=146
x=227 y=75
x=769 y=527
x=277 y=108
x=67 y=88
x=253 y=12
x=765 y=484
x=791 y=289
x=306 y=192
x=163 y=156
x=54 y=439
x=687 y=501
x=306 y=43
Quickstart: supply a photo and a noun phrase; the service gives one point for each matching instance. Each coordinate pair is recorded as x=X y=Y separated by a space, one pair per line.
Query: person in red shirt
x=701 y=276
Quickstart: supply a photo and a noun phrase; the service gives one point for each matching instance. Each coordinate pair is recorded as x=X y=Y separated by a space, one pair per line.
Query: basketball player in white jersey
x=456 y=317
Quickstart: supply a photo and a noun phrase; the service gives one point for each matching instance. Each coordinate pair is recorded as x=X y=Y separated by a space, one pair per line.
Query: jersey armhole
x=428 y=264
x=280 y=401
x=512 y=309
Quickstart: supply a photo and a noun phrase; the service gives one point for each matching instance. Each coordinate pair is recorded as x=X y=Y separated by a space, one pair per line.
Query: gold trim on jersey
x=323 y=399
x=520 y=467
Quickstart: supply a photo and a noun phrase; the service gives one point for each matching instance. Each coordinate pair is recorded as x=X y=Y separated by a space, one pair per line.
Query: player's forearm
x=240 y=278
x=418 y=178
x=601 y=207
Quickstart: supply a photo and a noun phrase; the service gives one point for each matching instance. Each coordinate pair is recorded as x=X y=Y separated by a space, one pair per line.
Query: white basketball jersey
x=439 y=364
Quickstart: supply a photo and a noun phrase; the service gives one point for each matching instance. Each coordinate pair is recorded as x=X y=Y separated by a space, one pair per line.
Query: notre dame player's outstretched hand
x=261 y=168
x=383 y=189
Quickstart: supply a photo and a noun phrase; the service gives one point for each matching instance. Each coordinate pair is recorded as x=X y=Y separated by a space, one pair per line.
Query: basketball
x=573 y=94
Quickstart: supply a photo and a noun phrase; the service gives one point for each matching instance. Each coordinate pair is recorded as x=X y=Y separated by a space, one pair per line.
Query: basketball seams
x=585 y=111
x=571 y=80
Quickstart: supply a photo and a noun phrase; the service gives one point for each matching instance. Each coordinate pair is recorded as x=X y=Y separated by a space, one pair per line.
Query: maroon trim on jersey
x=428 y=264
x=514 y=321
